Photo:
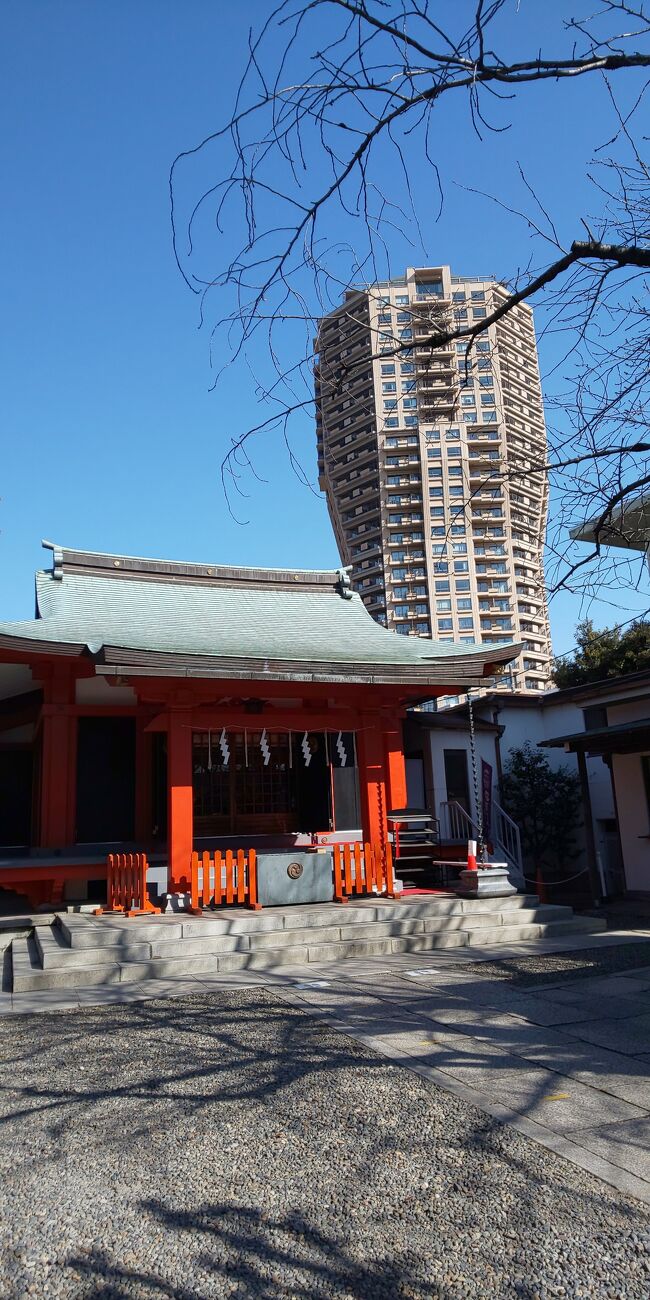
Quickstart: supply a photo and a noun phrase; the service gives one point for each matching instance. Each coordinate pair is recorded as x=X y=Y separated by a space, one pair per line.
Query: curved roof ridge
x=98 y=562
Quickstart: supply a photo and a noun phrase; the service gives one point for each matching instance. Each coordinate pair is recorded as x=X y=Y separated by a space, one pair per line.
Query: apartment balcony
x=484 y=499
x=352 y=464
x=359 y=493
x=445 y=355
x=439 y=409
x=492 y=609
x=393 y=462
x=352 y=453
x=364 y=570
x=405 y=481
x=405 y=520
x=489 y=582
x=435 y=393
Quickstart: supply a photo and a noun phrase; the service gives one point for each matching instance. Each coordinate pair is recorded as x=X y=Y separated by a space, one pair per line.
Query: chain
x=478 y=803
x=382 y=830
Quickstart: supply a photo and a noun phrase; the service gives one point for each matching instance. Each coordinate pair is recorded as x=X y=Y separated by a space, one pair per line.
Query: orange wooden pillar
x=372 y=780
x=58 y=765
x=396 y=793
x=180 y=814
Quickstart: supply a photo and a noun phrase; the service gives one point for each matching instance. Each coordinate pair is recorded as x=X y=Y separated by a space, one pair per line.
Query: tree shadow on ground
x=262 y=1255
x=260 y=1144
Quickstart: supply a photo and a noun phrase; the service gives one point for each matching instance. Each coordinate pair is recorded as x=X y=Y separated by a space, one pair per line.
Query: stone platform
x=77 y=950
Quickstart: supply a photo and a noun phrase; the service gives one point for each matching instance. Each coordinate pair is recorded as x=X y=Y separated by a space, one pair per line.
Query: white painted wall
x=627 y=711
x=533 y=724
x=633 y=813
x=441 y=739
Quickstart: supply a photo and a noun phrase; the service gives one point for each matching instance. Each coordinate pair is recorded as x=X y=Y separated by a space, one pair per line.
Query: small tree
x=546 y=804
x=611 y=653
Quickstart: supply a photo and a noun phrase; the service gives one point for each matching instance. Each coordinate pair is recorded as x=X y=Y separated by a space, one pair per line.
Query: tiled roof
x=190 y=610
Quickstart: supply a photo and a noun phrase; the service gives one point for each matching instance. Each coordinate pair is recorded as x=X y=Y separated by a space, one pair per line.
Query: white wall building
x=438 y=746
x=616 y=732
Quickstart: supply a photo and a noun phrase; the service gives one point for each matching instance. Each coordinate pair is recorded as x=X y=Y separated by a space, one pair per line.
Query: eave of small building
x=598 y=691
x=626 y=737
x=627 y=527
x=442 y=721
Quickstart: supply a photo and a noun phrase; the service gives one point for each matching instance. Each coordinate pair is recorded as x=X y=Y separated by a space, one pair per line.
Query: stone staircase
x=78 y=950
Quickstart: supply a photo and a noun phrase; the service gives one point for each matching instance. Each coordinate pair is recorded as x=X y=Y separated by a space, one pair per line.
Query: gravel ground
x=229 y=1145
x=550 y=967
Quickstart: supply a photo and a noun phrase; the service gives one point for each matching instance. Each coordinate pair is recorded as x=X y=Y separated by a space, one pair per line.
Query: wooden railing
x=126 y=885
x=229 y=877
x=362 y=869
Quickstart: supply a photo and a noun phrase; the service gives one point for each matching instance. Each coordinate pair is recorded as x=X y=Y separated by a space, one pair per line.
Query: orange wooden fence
x=126 y=885
x=362 y=869
x=229 y=877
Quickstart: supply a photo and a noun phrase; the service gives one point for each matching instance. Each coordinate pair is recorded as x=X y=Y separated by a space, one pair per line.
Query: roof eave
x=448 y=672
x=33 y=645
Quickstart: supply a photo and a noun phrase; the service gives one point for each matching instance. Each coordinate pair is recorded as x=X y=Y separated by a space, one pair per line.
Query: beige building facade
x=428 y=461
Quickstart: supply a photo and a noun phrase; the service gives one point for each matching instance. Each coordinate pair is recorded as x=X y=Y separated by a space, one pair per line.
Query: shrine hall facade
x=163 y=706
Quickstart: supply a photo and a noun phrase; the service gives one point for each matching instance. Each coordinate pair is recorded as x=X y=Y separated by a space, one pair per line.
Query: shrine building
x=166 y=708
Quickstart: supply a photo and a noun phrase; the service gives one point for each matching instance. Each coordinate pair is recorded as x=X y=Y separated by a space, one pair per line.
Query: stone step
x=82 y=931
x=511 y=934
x=44 y=960
x=79 y=952
x=55 y=952
x=29 y=975
x=202 y=940
x=493 y=920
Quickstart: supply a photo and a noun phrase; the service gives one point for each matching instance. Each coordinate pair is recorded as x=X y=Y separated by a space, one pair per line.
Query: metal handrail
x=459 y=826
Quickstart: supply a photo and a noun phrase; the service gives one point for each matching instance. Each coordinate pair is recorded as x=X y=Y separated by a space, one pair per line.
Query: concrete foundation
x=486 y=882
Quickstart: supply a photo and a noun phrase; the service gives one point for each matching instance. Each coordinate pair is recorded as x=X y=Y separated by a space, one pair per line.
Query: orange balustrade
x=126 y=885
x=362 y=869
x=229 y=877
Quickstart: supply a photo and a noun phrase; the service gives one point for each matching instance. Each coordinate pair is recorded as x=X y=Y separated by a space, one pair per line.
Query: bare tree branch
x=338 y=98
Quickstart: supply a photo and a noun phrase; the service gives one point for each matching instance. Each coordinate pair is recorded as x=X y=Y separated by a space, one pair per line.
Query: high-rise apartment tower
x=428 y=461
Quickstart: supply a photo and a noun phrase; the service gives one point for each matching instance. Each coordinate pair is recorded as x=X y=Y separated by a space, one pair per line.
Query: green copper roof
x=165 y=608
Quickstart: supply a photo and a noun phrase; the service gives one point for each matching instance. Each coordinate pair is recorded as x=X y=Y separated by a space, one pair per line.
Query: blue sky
x=112 y=440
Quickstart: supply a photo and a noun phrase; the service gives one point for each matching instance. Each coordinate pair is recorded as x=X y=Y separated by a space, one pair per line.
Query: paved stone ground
x=567 y=1063
x=581 y=963
x=228 y=1144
